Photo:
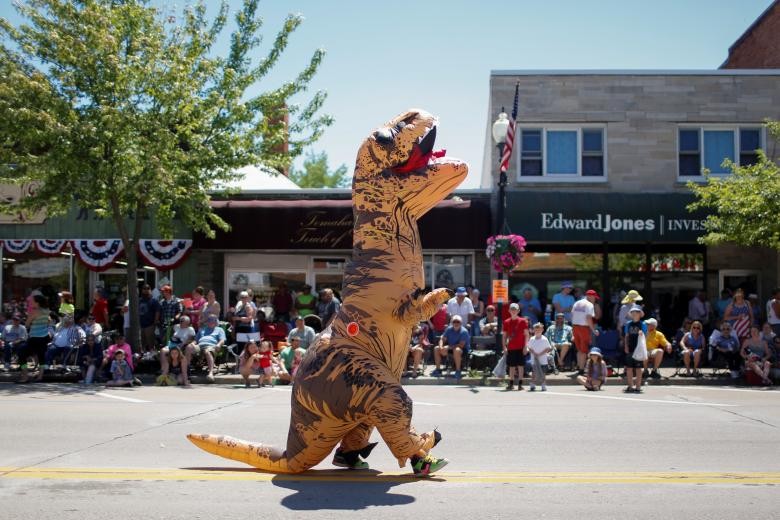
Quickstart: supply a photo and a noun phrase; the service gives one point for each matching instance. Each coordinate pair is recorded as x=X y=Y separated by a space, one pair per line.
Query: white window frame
x=734 y=129
x=430 y=279
x=561 y=177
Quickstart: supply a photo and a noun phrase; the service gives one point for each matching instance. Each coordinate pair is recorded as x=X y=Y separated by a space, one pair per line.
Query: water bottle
x=548 y=313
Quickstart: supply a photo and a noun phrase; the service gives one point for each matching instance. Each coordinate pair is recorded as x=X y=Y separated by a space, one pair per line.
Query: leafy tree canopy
x=315 y=173
x=745 y=206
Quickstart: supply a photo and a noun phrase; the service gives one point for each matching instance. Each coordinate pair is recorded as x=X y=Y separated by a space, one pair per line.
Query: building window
x=562 y=152
x=700 y=148
x=448 y=270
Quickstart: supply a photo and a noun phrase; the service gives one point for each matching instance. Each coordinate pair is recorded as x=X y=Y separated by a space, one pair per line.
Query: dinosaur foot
x=352 y=459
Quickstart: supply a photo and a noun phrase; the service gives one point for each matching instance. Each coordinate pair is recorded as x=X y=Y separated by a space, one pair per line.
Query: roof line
x=751 y=27
x=636 y=72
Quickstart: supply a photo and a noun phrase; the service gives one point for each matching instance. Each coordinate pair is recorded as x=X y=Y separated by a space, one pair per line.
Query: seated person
x=560 y=336
x=756 y=353
x=725 y=343
x=108 y=355
x=121 y=373
x=418 y=345
x=183 y=338
x=595 y=371
x=67 y=336
x=211 y=337
x=692 y=344
x=489 y=324
x=657 y=344
x=454 y=341
x=93 y=327
x=303 y=332
x=89 y=359
x=14 y=336
x=289 y=353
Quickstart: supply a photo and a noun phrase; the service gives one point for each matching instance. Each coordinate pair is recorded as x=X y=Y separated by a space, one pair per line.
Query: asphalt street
x=70 y=451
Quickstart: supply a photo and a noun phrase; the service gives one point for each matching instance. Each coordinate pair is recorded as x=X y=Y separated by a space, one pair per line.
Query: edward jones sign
x=600 y=217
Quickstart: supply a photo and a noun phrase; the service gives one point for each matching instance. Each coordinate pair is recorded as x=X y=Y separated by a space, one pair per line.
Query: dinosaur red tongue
x=419 y=160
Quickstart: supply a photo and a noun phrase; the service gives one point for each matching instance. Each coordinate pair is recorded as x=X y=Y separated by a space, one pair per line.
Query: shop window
x=543 y=261
x=700 y=148
x=262 y=284
x=449 y=271
x=562 y=153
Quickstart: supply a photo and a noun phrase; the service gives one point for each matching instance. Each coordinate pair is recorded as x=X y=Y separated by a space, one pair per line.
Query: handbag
x=500 y=369
x=640 y=352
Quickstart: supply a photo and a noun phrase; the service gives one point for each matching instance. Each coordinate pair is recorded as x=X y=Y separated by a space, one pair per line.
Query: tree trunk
x=132 y=294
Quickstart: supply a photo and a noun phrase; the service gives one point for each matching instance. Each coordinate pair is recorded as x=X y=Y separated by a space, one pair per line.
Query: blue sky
x=384 y=57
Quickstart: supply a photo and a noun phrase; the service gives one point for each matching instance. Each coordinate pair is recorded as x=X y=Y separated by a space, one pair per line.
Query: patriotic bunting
x=50 y=247
x=164 y=254
x=97 y=255
x=16 y=247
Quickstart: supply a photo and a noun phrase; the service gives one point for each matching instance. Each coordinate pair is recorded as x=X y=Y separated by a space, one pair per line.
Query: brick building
x=759 y=45
x=597 y=181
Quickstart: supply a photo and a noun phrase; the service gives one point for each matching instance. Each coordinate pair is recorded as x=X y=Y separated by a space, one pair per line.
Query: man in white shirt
x=773 y=311
x=461 y=305
x=583 y=320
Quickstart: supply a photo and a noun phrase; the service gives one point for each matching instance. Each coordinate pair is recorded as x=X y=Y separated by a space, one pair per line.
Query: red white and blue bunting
x=16 y=247
x=164 y=254
x=97 y=255
x=50 y=247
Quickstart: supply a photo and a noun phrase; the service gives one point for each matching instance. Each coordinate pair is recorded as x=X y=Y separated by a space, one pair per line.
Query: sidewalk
x=562 y=379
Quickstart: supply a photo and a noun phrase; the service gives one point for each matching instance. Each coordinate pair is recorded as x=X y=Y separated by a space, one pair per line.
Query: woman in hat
x=595 y=371
x=631 y=334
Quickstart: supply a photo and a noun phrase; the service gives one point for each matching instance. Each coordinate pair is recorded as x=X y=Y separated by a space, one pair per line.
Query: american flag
x=510 y=133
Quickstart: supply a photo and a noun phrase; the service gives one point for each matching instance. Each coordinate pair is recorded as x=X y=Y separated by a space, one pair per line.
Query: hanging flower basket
x=505 y=252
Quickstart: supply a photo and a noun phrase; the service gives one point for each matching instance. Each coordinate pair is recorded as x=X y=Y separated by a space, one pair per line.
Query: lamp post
x=500 y=127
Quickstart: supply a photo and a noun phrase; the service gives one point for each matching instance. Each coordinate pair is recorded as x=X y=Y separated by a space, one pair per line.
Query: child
x=121 y=374
x=595 y=371
x=249 y=363
x=266 y=356
x=515 y=345
x=119 y=344
x=297 y=361
x=632 y=331
x=539 y=346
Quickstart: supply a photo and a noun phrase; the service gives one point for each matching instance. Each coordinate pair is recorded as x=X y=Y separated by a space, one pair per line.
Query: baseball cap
x=460 y=291
x=591 y=292
x=567 y=284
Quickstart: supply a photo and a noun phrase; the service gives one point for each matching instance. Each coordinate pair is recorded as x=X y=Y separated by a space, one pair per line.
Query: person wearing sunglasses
x=693 y=343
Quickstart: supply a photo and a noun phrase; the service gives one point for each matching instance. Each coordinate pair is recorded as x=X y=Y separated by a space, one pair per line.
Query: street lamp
x=500 y=127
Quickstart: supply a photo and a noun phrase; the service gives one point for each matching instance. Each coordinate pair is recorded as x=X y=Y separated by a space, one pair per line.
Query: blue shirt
x=147 y=311
x=531 y=309
x=631 y=329
x=566 y=301
x=452 y=337
x=211 y=336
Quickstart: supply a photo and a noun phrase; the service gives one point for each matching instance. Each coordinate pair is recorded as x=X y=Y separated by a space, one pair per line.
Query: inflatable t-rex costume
x=349 y=381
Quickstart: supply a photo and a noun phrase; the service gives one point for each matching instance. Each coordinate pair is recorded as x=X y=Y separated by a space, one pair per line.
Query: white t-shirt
x=463 y=309
x=181 y=334
x=537 y=346
x=580 y=312
x=771 y=317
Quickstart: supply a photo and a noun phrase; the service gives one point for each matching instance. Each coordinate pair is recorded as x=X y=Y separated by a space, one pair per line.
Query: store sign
x=604 y=217
x=324 y=230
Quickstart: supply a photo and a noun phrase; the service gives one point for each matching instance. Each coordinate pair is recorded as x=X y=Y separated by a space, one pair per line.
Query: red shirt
x=100 y=311
x=514 y=330
x=265 y=359
x=439 y=320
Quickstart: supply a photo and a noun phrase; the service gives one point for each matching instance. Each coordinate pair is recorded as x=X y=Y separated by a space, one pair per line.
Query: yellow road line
x=531 y=477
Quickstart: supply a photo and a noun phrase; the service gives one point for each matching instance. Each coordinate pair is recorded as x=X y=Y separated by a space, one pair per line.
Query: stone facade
x=641 y=113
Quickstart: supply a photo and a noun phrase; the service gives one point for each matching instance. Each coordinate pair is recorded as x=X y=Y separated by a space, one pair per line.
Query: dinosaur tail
x=261 y=456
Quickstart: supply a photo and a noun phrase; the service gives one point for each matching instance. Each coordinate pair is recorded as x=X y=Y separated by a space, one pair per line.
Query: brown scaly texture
x=347 y=385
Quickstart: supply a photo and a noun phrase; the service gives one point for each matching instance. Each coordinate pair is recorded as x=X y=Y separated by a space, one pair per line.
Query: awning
x=327 y=224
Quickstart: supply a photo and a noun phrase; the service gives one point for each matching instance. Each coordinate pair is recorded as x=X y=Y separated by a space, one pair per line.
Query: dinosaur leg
x=353 y=446
x=309 y=441
x=392 y=414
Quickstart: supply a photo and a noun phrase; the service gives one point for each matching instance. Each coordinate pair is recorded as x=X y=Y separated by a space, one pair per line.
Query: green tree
x=124 y=110
x=315 y=173
x=745 y=205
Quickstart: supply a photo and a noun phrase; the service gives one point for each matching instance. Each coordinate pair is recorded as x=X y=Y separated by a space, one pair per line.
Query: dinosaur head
x=397 y=167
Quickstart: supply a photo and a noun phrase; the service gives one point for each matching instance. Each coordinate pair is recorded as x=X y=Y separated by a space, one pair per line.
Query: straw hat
x=632 y=296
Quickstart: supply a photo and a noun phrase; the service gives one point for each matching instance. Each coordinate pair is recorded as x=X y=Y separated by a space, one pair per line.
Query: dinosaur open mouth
x=422 y=153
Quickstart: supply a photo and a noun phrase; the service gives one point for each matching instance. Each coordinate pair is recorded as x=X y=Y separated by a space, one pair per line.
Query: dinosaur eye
x=383 y=136
x=400 y=125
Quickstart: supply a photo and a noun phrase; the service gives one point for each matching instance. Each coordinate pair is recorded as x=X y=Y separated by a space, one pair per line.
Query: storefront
x=309 y=241
x=612 y=242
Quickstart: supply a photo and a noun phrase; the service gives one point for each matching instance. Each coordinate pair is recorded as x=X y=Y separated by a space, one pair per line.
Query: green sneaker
x=424 y=466
x=341 y=461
